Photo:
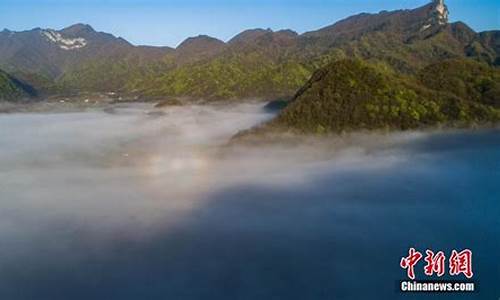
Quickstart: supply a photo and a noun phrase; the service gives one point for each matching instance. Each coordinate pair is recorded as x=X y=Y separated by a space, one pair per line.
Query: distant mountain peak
x=438 y=15
x=78 y=28
x=426 y=19
x=249 y=35
x=201 y=46
x=441 y=12
x=7 y=32
x=200 y=41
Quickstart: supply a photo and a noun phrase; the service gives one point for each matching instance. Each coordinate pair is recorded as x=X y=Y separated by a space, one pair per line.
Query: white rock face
x=439 y=15
x=64 y=43
x=442 y=12
x=425 y=27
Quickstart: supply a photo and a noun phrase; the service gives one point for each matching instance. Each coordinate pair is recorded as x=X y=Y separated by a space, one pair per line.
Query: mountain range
x=257 y=63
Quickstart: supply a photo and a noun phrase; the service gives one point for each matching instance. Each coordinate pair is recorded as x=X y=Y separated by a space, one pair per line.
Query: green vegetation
x=230 y=77
x=353 y=95
x=465 y=79
x=106 y=75
x=11 y=88
x=271 y=70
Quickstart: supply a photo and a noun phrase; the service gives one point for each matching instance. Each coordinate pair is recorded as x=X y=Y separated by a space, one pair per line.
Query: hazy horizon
x=168 y=23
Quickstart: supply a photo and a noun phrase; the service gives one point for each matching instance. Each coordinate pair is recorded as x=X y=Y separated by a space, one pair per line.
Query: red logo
x=435 y=263
x=410 y=261
x=459 y=263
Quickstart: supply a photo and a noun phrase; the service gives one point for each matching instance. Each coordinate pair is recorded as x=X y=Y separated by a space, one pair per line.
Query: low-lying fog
x=133 y=202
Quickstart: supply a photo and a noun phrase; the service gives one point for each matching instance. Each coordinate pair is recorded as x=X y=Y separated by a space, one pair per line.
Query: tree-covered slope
x=231 y=76
x=464 y=79
x=353 y=95
x=13 y=89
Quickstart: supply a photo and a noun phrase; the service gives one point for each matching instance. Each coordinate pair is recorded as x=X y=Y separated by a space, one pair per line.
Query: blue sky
x=168 y=22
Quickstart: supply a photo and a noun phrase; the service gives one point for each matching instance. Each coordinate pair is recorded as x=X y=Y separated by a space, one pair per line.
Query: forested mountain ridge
x=257 y=63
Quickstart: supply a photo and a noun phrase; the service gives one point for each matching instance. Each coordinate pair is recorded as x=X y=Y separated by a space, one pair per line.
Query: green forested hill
x=230 y=76
x=11 y=88
x=352 y=95
x=464 y=79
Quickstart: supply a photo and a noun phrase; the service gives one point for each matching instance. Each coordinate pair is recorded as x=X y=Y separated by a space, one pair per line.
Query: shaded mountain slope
x=57 y=54
x=13 y=89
